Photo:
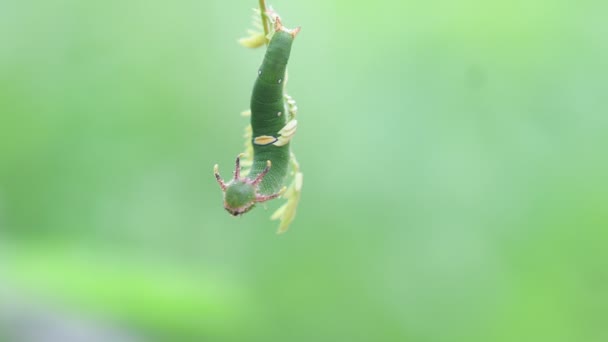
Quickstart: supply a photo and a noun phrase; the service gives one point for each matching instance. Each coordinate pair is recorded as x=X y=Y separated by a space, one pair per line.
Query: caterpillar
x=272 y=127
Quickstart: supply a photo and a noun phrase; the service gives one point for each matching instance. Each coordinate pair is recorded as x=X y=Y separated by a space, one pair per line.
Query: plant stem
x=264 y=18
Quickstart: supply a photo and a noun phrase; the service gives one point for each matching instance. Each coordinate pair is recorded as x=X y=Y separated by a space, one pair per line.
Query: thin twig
x=264 y=18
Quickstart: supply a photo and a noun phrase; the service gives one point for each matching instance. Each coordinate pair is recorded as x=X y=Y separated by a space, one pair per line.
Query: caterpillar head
x=241 y=194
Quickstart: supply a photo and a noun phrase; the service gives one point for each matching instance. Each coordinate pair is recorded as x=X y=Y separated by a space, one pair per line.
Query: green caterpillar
x=273 y=125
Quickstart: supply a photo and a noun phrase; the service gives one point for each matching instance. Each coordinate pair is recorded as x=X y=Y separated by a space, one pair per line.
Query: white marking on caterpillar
x=263 y=140
x=280 y=80
x=260 y=72
x=279 y=114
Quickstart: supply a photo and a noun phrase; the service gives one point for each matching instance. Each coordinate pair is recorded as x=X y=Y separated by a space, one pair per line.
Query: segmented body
x=273 y=125
x=268 y=115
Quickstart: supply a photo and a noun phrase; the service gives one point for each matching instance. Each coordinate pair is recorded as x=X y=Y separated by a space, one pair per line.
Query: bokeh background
x=454 y=157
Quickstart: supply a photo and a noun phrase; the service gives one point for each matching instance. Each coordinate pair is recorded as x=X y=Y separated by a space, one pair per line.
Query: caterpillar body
x=273 y=125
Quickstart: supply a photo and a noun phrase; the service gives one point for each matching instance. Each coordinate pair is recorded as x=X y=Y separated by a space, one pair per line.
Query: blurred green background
x=454 y=157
